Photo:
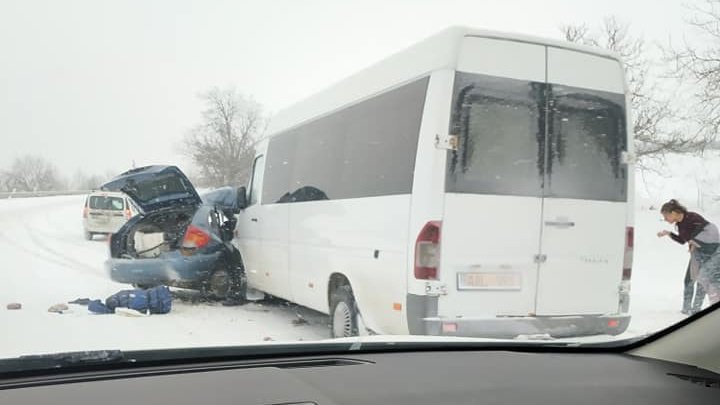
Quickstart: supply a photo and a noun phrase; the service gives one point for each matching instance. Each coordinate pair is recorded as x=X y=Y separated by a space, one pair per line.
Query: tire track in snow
x=31 y=252
x=17 y=230
x=36 y=232
x=69 y=261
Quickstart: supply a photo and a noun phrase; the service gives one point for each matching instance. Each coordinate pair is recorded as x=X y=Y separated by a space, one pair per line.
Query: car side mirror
x=227 y=230
x=241 y=198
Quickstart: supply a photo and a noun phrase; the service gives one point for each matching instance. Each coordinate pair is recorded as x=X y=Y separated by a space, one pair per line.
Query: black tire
x=272 y=300
x=143 y=286
x=88 y=235
x=217 y=285
x=343 y=313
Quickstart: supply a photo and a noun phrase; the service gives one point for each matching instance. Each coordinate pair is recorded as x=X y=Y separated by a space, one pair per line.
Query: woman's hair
x=673 y=206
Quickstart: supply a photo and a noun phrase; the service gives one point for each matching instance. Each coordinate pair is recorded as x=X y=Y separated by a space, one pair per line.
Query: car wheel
x=143 y=286
x=88 y=235
x=218 y=284
x=343 y=313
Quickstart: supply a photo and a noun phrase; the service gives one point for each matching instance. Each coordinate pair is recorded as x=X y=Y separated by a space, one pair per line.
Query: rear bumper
x=102 y=228
x=171 y=268
x=510 y=327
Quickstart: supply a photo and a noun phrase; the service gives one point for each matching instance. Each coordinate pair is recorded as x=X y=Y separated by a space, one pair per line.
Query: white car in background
x=105 y=212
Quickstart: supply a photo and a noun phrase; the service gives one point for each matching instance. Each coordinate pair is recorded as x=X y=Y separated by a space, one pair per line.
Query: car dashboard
x=405 y=377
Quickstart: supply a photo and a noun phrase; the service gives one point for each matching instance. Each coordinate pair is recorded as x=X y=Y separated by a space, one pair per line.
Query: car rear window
x=586 y=133
x=98 y=202
x=158 y=187
x=501 y=127
x=534 y=139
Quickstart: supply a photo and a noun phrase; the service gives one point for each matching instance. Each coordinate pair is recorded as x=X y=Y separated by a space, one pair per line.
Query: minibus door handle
x=562 y=223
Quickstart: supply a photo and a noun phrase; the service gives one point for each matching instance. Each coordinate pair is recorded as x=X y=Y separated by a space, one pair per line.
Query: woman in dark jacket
x=703 y=240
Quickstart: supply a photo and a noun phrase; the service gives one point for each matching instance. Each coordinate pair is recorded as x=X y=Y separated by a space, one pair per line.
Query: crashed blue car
x=178 y=239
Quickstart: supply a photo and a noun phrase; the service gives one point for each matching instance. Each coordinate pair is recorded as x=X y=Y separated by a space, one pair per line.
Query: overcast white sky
x=94 y=84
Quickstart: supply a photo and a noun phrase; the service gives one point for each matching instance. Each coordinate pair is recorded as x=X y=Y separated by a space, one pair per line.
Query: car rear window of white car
x=107 y=203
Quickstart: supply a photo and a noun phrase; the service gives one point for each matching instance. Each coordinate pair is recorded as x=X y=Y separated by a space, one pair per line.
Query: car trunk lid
x=153 y=188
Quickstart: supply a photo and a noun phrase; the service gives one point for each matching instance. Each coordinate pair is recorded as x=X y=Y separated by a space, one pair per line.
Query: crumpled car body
x=178 y=239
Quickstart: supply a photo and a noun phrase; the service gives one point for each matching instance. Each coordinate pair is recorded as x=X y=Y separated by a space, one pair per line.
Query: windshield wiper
x=60 y=360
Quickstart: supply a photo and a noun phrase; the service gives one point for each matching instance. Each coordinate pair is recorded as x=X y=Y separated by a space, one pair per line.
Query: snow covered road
x=45 y=261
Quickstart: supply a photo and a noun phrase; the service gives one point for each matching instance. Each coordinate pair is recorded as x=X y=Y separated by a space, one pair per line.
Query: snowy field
x=46 y=261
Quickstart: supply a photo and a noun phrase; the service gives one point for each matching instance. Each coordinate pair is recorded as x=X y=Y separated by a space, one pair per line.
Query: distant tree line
x=30 y=173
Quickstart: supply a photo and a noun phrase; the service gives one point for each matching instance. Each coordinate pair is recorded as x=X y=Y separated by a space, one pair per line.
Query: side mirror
x=241 y=198
x=227 y=229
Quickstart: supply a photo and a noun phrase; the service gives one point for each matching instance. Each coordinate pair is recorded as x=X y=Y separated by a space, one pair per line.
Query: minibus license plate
x=489 y=281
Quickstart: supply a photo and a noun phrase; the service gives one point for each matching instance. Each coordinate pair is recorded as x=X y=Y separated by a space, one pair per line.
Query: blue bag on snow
x=96 y=306
x=159 y=300
x=156 y=300
x=133 y=299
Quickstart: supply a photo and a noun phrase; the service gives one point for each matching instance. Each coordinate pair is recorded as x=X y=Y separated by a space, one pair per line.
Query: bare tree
x=32 y=173
x=655 y=118
x=222 y=145
x=576 y=33
x=4 y=181
x=701 y=64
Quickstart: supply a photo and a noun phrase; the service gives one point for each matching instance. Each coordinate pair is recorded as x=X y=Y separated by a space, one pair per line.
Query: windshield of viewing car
x=527 y=173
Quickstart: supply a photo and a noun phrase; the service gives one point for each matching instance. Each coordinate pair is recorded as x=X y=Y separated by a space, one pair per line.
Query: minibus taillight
x=427 y=252
x=628 y=258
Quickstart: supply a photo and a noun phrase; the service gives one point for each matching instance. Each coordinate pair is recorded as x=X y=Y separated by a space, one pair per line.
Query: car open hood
x=155 y=187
